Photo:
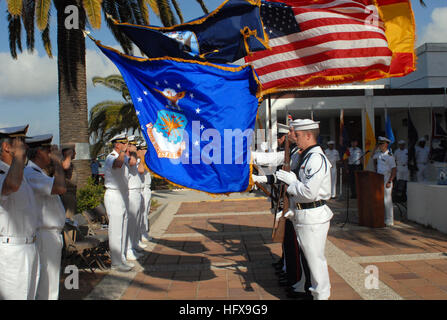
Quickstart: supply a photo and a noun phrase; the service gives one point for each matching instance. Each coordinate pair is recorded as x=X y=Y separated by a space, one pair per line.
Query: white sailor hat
x=119 y=138
x=43 y=140
x=401 y=142
x=383 y=139
x=421 y=139
x=142 y=145
x=304 y=124
x=132 y=140
x=282 y=128
x=331 y=142
x=12 y=132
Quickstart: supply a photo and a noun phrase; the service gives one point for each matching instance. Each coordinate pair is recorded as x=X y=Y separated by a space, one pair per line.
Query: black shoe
x=279 y=272
x=278 y=266
x=283 y=282
x=282 y=277
x=299 y=295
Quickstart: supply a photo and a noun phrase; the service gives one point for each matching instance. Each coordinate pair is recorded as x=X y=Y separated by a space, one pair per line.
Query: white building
x=420 y=93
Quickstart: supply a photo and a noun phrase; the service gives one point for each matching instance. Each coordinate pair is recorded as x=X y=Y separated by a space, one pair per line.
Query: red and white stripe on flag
x=338 y=41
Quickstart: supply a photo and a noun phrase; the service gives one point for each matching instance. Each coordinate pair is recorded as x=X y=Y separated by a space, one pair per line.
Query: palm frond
x=177 y=9
x=166 y=16
x=93 y=10
x=28 y=23
x=202 y=5
x=46 y=40
x=144 y=11
x=154 y=6
x=15 y=34
x=15 y=7
x=42 y=13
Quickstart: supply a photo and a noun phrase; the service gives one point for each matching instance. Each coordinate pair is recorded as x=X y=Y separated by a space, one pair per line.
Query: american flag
x=321 y=42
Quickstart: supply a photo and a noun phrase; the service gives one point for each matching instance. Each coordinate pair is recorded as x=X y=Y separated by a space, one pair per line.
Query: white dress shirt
x=354 y=155
x=401 y=157
x=51 y=209
x=18 y=210
x=385 y=163
x=116 y=178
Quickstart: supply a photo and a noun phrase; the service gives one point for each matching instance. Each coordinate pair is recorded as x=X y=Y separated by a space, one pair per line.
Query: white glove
x=287 y=177
x=260 y=179
x=278 y=215
x=264 y=146
x=290 y=215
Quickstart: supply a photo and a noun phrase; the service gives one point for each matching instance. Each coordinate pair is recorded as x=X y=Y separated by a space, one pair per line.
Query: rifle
x=280 y=225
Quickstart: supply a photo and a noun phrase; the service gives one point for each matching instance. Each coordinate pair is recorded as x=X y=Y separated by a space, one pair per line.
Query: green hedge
x=90 y=196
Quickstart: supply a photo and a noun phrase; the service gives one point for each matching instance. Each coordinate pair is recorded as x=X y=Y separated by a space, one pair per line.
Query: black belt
x=309 y=205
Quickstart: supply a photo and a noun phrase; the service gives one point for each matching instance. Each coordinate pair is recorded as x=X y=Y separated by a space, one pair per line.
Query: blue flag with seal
x=227 y=34
x=196 y=117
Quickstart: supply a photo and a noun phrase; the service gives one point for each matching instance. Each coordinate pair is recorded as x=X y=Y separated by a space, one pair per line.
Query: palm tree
x=109 y=118
x=73 y=114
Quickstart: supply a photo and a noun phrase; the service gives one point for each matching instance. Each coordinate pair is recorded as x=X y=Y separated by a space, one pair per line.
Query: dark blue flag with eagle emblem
x=225 y=35
x=196 y=117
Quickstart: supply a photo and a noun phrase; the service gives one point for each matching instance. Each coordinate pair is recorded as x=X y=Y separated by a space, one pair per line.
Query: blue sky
x=28 y=86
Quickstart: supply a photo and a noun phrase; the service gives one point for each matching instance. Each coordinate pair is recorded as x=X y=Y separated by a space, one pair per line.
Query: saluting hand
x=55 y=154
x=18 y=148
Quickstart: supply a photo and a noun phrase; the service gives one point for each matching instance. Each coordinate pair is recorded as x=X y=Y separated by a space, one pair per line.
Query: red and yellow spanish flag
x=400 y=32
x=370 y=141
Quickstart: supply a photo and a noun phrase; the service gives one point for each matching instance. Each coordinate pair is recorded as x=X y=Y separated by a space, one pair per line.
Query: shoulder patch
x=2 y=172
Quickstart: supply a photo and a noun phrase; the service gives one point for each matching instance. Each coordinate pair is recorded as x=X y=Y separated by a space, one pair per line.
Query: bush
x=90 y=196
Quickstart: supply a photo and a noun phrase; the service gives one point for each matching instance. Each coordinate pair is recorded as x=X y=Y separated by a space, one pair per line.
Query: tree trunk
x=73 y=112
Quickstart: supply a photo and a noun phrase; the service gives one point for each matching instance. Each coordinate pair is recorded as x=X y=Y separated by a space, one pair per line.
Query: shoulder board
x=35 y=169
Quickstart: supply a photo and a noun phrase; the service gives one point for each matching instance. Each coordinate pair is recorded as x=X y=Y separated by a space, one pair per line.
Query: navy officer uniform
x=19 y=258
x=51 y=217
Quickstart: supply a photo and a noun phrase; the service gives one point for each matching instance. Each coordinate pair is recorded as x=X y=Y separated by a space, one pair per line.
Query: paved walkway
x=208 y=248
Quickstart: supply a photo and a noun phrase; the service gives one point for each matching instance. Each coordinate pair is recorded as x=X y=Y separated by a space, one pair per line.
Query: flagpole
x=270 y=122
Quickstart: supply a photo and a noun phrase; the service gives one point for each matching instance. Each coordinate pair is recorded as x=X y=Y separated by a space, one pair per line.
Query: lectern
x=371 y=208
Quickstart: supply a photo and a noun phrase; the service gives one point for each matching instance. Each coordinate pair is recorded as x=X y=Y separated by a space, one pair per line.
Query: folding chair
x=80 y=249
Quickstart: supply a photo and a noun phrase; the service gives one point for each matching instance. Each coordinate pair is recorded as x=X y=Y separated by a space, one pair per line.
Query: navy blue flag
x=225 y=35
x=196 y=117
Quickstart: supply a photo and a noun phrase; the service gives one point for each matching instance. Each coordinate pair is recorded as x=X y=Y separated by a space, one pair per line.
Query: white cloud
x=34 y=76
x=436 y=30
x=29 y=75
x=98 y=65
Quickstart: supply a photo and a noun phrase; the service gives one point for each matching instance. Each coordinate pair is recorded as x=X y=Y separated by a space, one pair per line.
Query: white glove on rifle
x=278 y=215
x=287 y=177
x=264 y=146
x=260 y=179
x=290 y=215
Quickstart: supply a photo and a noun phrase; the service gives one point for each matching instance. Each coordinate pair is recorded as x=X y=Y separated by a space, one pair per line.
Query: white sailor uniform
x=385 y=163
x=401 y=157
x=147 y=193
x=116 y=201
x=312 y=224
x=49 y=232
x=333 y=156
x=135 y=201
x=19 y=258
x=422 y=161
